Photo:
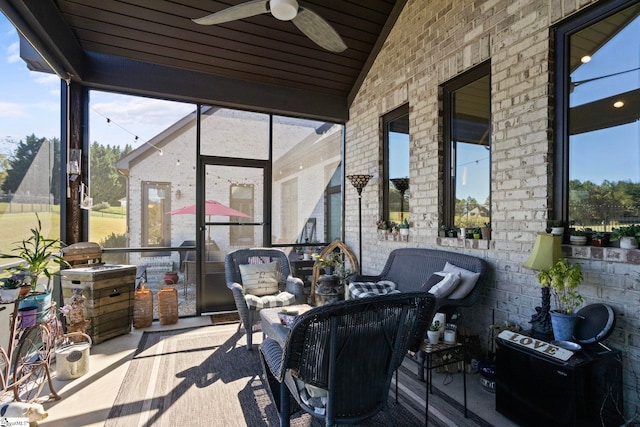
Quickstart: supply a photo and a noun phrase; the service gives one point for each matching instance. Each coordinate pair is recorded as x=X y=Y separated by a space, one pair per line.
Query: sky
x=30 y=104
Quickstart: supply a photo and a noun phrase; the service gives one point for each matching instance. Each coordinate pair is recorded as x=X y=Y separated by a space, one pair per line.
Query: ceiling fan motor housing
x=284 y=10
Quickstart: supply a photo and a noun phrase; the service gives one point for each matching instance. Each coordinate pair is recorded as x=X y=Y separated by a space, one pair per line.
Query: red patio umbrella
x=211 y=208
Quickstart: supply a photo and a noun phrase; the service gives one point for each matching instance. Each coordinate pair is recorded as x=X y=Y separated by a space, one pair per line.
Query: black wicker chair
x=350 y=349
x=249 y=316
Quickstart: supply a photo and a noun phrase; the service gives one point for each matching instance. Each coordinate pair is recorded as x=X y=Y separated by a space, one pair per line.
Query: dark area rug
x=204 y=377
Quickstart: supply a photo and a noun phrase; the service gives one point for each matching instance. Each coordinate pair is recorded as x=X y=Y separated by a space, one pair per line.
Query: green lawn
x=16 y=226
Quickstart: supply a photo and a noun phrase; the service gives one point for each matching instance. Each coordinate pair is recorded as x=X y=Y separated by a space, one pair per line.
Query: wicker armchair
x=286 y=283
x=348 y=349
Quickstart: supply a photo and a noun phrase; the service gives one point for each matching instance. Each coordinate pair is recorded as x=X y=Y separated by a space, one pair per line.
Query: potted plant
x=627 y=235
x=330 y=262
x=9 y=289
x=485 y=230
x=556 y=227
x=563 y=280
x=40 y=256
x=578 y=237
x=600 y=239
x=404 y=227
x=433 y=334
x=476 y=233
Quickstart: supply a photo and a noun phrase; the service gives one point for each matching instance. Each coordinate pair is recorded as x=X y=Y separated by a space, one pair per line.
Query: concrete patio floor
x=86 y=401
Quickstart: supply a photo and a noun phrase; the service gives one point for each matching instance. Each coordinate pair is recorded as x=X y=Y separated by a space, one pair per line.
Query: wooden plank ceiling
x=152 y=47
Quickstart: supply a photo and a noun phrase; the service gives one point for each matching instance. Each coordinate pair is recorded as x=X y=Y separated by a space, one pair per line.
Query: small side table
x=432 y=356
x=271 y=326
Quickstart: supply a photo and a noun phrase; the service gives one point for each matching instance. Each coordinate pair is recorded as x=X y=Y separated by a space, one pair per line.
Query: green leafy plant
x=563 y=280
x=632 y=230
x=577 y=232
x=435 y=326
x=40 y=256
x=331 y=260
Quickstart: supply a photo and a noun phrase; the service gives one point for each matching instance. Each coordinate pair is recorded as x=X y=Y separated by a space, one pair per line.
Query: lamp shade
x=359 y=181
x=547 y=250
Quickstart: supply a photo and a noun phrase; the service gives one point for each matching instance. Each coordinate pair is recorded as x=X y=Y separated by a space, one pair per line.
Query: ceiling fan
x=307 y=21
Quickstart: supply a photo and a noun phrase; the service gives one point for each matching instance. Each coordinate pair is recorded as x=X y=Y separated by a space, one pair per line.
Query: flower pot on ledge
x=628 y=243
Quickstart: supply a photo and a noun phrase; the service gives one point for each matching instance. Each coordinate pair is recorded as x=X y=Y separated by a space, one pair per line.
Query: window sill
x=455 y=242
x=609 y=254
x=393 y=237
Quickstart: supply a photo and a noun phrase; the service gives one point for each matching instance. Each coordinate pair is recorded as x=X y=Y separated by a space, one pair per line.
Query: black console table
x=537 y=390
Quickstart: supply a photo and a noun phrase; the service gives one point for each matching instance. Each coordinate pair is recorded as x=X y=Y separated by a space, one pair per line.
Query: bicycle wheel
x=30 y=364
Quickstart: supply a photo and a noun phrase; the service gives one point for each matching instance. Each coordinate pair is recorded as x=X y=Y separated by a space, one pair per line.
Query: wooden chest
x=109 y=292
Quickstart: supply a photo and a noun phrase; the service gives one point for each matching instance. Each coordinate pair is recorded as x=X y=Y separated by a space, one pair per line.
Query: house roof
x=151 y=47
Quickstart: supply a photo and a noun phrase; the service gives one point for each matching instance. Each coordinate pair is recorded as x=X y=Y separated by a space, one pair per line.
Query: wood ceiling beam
x=116 y=73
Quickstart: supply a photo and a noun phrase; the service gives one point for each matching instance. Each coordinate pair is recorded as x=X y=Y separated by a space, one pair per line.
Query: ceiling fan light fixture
x=284 y=10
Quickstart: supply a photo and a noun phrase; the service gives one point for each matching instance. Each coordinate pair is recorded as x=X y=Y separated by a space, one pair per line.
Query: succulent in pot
x=9 y=289
x=600 y=239
x=433 y=334
x=578 y=237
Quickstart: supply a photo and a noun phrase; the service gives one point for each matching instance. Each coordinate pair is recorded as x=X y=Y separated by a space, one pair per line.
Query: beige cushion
x=468 y=281
x=259 y=279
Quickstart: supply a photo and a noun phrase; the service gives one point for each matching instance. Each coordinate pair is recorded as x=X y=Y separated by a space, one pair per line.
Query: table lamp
x=359 y=182
x=547 y=250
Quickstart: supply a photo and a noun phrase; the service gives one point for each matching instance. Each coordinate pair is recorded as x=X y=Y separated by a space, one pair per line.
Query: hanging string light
x=135 y=137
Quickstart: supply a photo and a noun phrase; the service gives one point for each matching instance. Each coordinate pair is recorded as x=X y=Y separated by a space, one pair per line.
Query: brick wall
x=432 y=42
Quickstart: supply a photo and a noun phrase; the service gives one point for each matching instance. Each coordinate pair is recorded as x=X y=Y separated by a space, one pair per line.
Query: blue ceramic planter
x=563 y=325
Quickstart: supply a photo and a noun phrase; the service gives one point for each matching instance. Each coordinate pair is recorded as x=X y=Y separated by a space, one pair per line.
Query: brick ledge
x=627 y=256
x=455 y=242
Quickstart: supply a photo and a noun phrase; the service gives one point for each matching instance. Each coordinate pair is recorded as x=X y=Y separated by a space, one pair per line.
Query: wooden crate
x=109 y=292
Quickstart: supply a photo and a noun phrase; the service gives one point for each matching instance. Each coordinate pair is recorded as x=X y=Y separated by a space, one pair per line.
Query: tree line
x=33 y=170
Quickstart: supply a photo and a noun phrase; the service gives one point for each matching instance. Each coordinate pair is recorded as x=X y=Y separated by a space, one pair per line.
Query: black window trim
x=469 y=76
x=560 y=35
x=387 y=118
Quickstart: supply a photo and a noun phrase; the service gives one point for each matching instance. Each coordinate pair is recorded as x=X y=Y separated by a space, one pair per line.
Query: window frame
x=561 y=35
x=386 y=120
x=165 y=227
x=449 y=198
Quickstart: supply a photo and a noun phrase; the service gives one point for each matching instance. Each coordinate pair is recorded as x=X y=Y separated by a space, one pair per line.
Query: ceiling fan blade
x=318 y=30
x=240 y=11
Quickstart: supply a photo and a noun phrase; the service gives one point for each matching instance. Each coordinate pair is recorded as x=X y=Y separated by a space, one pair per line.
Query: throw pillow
x=259 y=279
x=441 y=284
x=468 y=281
x=369 y=289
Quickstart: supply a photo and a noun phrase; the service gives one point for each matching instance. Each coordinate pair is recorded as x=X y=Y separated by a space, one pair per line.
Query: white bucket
x=72 y=356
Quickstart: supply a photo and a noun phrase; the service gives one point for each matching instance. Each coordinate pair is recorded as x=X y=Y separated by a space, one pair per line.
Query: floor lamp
x=402 y=185
x=547 y=250
x=359 y=182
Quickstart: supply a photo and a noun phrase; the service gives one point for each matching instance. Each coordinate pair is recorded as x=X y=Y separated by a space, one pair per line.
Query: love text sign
x=536 y=345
